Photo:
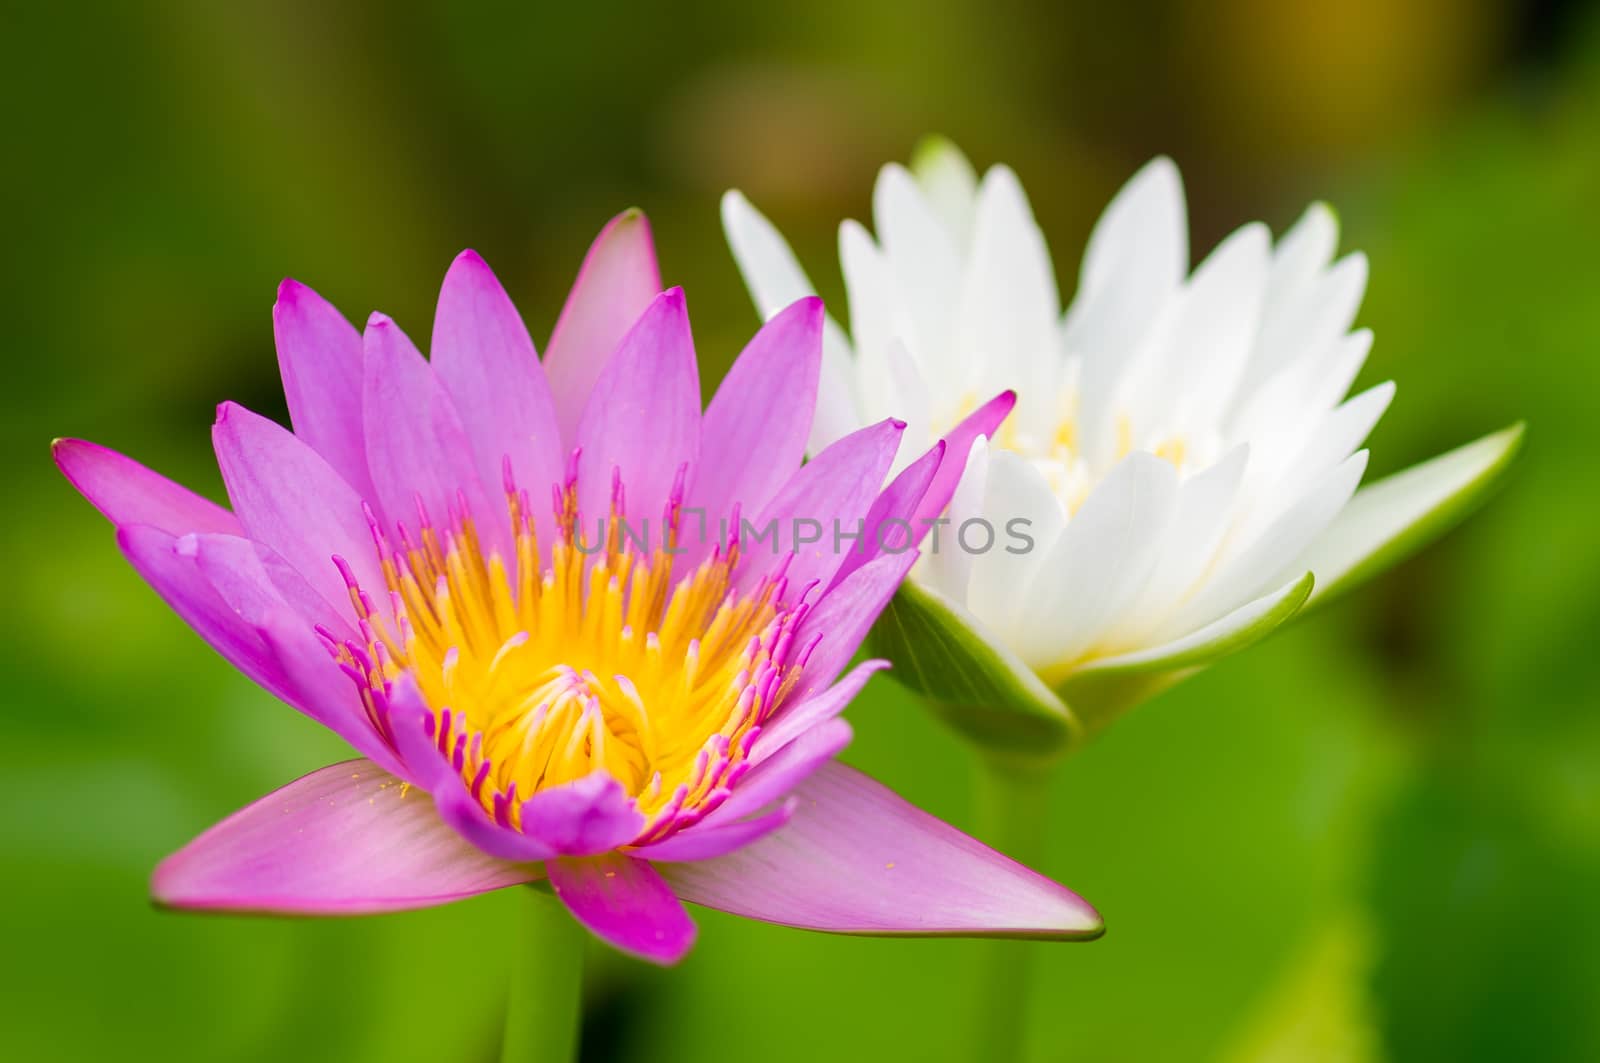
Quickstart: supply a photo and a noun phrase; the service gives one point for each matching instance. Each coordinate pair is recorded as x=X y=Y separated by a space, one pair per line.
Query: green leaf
x=975 y=684
x=1104 y=689
x=1393 y=518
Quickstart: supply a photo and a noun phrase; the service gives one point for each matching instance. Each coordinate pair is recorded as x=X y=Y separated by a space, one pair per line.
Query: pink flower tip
x=632 y=218
x=812 y=307
x=289 y=292
x=68 y=455
x=162 y=894
x=468 y=257
x=224 y=411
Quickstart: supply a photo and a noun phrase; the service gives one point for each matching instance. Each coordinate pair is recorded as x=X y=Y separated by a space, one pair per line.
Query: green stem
x=1011 y=803
x=545 y=1001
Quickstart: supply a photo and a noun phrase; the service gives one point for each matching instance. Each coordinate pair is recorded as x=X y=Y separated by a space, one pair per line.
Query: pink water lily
x=529 y=596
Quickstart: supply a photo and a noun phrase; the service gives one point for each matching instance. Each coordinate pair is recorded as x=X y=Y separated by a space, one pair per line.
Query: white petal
x=1339 y=370
x=1143 y=231
x=914 y=405
x=1007 y=320
x=1101 y=563
x=1137 y=257
x=1200 y=518
x=1305 y=250
x=926 y=271
x=875 y=319
x=945 y=566
x=776 y=280
x=1309 y=306
x=1302 y=453
x=1316 y=316
x=1338 y=434
x=1014 y=491
x=950 y=185
x=1308 y=386
x=1269 y=558
x=770 y=269
x=1298 y=261
x=1189 y=370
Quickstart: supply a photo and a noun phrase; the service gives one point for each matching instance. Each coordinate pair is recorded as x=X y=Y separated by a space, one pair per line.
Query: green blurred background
x=1376 y=837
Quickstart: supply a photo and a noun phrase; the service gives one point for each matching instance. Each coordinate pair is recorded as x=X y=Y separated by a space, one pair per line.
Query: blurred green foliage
x=1376 y=837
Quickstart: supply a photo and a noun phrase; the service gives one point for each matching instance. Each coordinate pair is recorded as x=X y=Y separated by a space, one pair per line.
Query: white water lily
x=1182 y=450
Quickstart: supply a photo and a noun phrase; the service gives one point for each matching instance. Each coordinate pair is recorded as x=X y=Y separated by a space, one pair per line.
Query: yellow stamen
x=545 y=673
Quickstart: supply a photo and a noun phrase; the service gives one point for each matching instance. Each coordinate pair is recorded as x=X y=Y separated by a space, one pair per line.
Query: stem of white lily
x=1011 y=801
x=545 y=1003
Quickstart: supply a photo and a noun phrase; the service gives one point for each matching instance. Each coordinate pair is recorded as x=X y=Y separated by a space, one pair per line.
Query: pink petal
x=175 y=576
x=257 y=583
x=755 y=429
x=417 y=448
x=707 y=840
x=796 y=717
x=428 y=768
x=831 y=492
x=290 y=499
x=319 y=688
x=782 y=771
x=957 y=444
x=483 y=356
x=617 y=281
x=892 y=527
x=626 y=903
x=128 y=493
x=319 y=357
x=237 y=596
x=643 y=418
x=585 y=817
x=857 y=859
x=842 y=618
x=467 y=818
x=345 y=840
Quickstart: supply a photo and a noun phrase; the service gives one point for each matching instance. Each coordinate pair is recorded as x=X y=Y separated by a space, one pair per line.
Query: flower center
x=587 y=657
x=1058 y=455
